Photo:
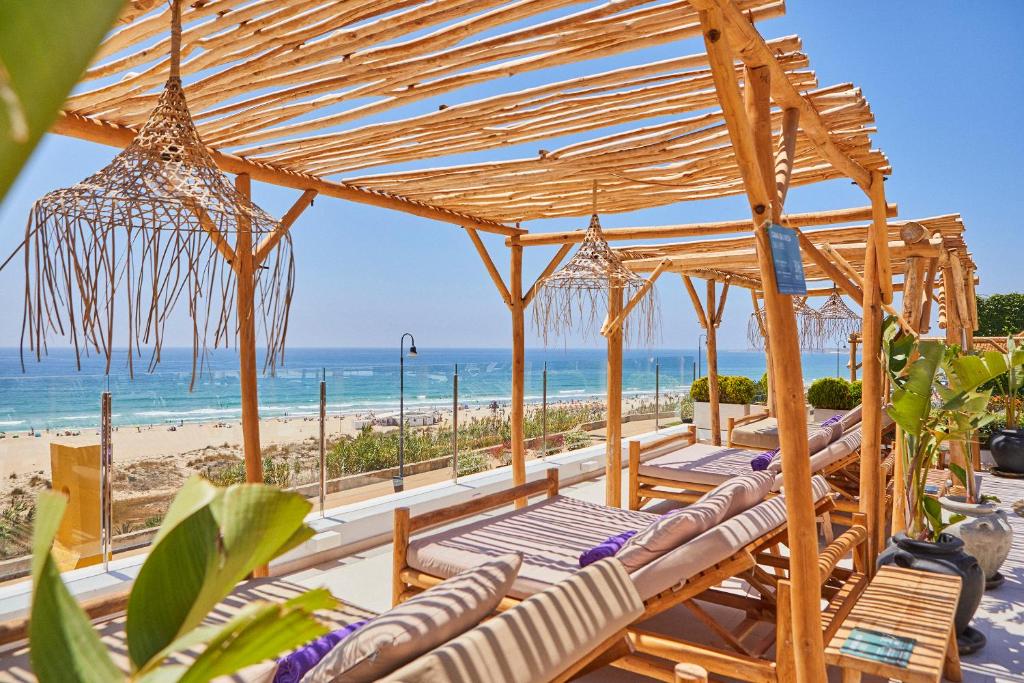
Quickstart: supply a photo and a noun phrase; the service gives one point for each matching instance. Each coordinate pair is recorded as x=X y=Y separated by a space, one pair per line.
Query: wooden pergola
x=283 y=92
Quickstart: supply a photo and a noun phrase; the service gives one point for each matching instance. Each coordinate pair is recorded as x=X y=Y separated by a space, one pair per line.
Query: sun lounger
x=760 y=431
x=682 y=470
x=552 y=533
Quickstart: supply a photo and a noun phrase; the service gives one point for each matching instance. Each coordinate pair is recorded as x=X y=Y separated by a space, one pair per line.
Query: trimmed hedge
x=731 y=389
x=830 y=393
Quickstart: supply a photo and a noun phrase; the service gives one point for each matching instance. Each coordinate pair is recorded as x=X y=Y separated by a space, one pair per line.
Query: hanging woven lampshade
x=158 y=224
x=809 y=324
x=576 y=295
x=838 y=321
x=755 y=325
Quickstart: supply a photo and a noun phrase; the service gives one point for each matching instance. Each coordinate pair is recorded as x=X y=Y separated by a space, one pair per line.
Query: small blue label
x=789 y=266
x=878 y=646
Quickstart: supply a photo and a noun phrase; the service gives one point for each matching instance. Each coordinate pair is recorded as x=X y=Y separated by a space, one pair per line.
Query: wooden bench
x=908 y=604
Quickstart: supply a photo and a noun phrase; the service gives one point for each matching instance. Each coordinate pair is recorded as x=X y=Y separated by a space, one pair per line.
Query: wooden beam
x=852 y=272
x=880 y=234
x=720 y=311
x=615 y=324
x=552 y=264
x=518 y=411
x=960 y=285
x=924 y=324
x=849 y=288
x=833 y=217
x=213 y=232
x=808 y=650
x=753 y=51
x=485 y=256
x=785 y=156
x=84 y=128
x=702 y=318
x=270 y=241
x=613 y=428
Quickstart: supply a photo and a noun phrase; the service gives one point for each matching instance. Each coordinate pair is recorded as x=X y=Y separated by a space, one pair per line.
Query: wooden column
x=244 y=267
x=245 y=274
x=805 y=601
x=516 y=306
x=871 y=493
x=713 y=390
x=770 y=394
x=853 y=341
x=613 y=430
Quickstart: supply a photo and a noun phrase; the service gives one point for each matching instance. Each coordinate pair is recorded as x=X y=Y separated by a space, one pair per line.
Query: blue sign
x=789 y=266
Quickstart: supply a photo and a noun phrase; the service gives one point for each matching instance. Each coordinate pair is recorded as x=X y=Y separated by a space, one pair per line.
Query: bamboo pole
x=552 y=264
x=270 y=241
x=714 y=395
x=854 y=341
x=703 y=229
x=924 y=322
x=702 y=318
x=871 y=492
x=613 y=430
x=770 y=388
x=518 y=370
x=84 y=128
x=244 y=266
x=616 y=323
x=492 y=270
x=881 y=235
x=808 y=650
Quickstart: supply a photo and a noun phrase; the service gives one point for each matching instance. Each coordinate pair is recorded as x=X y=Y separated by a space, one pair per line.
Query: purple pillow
x=605 y=548
x=291 y=668
x=761 y=461
x=832 y=420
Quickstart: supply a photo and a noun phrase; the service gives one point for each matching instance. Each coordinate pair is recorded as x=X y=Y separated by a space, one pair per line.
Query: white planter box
x=702 y=413
x=822 y=414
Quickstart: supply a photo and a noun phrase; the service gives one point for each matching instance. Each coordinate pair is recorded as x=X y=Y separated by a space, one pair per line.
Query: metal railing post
x=544 y=413
x=657 y=394
x=323 y=441
x=106 y=463
x=455 y=424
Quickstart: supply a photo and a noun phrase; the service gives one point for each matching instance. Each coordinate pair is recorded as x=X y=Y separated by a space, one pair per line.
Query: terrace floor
x=363 y=580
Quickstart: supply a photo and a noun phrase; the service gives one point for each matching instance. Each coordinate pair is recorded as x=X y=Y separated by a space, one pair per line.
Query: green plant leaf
x=44 y=48
x=933 y=511
x=215 y=541
x=64 y=646
x=911 y=403
x=259 y=632
x=959 y=473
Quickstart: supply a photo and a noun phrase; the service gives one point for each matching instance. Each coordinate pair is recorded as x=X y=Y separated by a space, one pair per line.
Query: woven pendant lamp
x=576 y=296
x=157 y=224
x=809 y=326
x=838 y=321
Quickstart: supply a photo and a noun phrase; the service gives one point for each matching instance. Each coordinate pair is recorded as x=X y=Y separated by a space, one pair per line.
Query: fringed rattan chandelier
x=809 y=326
x=838 y=321
x=150 y=225
x=577 y=295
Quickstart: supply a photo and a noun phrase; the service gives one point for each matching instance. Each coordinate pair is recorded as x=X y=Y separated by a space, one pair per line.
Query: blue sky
x=942 y=79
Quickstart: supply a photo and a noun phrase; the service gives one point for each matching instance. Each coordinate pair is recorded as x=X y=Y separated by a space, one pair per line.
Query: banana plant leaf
x=210 y=542
x=64 y=646
x=911 y=402
x=44 y=48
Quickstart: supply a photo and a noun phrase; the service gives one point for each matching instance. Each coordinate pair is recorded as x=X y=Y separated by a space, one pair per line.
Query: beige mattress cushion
x=540 y=638
x=700 y=464
x=676 y=528
x=418 y=625
x=850 y=419
x=715 y=545
x=550 y=535
x=761 y=435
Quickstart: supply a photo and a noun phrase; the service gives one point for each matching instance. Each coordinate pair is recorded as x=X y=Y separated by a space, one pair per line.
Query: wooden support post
x=492 y=270
x=613 y=429
x=245 y=306
x=871 y=493
x=854 y=340
x=880 y=236
x=713 y=390
x=924 y=322
x=808 y=651
x=518 y=369
x=899 y=486
x=769 y=389
x=270 y=241
x=616 y=323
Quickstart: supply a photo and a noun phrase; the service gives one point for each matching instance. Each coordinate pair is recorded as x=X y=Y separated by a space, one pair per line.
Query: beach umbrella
x=158 y=225
x=576 y=296
x=838 y=321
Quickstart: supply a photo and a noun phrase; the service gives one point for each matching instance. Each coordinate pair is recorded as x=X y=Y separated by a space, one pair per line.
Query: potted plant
x=829 y=396
x=735 y=395
x=936 y=400
x=1007 y=445
x=210 y=539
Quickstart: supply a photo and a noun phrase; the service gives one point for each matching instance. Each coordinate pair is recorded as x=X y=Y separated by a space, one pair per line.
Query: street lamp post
x=399 y=481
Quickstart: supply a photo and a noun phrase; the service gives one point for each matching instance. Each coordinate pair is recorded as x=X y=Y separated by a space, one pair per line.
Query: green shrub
x=686 y=409
x=471 y=463
x=699 y=390
x=830 y=393
x=762 y=389
x=731 y=389
x=575 y=440
x=856 y=388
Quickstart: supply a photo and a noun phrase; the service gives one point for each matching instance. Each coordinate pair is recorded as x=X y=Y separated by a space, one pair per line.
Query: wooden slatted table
x=905 y=603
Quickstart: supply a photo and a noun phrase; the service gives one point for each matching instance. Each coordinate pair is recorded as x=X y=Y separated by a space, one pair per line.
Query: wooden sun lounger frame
x=655 y=655
x=843 y=477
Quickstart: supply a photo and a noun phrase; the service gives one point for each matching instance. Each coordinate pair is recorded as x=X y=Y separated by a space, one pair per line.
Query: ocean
x=54 y=394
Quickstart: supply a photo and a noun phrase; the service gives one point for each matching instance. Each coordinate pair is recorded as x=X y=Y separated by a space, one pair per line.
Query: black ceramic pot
x=1007 y=448
x=945 y=557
